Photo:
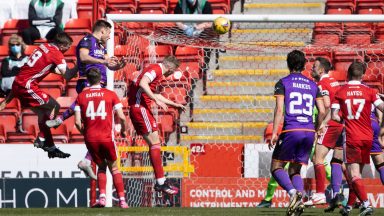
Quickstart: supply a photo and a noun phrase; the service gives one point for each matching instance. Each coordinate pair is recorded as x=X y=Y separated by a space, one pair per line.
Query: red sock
x=118 y=182
x=352 y=195
x=156 y=160
x=320 y=178
x=358 y=187
x=101 y=181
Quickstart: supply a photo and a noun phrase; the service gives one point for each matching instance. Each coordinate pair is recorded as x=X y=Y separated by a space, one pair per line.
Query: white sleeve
x=335 y=106
x=151 y=75
x=62 y=66
x=377 y=102
x=118 y=106
x=77 y=109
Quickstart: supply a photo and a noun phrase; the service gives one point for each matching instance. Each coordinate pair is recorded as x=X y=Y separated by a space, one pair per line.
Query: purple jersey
x=376 y=147
x=96 y=50
x=299 y=95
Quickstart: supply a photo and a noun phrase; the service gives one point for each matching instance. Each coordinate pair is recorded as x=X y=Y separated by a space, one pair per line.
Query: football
x=221 y=25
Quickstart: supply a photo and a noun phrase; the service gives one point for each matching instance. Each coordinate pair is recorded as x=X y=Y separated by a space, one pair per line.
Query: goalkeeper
x=272 y=184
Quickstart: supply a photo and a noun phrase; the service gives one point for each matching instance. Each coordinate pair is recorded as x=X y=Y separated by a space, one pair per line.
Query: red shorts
x=102 y=151
x=142 y=120
x=332 y=138
x=32 y=97
x=357 y=151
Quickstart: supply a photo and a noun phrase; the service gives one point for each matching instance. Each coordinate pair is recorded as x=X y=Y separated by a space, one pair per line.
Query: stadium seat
x=340 y=7
x=379 y=32
x=171 y=6
x=121 y=6
x=342 y=59
x=327 y=33
x=152 y=6
x=10 y=115
x=193 y=68
x=358 y=33
x=60 y=134
x=175 y=93
x=220 y=6
x=3 y=134
x=76 y=136
x=84 y=8
x=53 y=84
x=139 y=27
x=340 y=76
x=3 y=52
x=370 y=7
x=188 y=53
x=70 y=54
x=29 y=49
x=13 y=26
x=167 y=122
x=78 y=28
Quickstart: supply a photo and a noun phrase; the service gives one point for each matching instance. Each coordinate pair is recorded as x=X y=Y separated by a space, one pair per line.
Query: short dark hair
x=172 y=59
x=63 y=39
x=99 y=24
x=324 y=63
x=93 y=76
x=356 y=70
x=296 y=60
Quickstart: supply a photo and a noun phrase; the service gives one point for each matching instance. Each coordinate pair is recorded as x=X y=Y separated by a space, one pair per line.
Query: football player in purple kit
x=296 y=96
x=91 y=53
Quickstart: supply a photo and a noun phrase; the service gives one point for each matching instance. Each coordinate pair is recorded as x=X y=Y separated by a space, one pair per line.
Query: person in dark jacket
x=45 y=20
x=10 y=66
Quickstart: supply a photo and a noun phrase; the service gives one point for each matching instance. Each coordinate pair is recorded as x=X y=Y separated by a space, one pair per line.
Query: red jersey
x=328 y=87
x=97 y=106
x=40 y=63
x=355 y=101
x=137 y=96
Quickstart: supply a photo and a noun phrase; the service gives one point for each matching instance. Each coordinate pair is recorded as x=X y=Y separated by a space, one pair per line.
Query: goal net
x=216 y=152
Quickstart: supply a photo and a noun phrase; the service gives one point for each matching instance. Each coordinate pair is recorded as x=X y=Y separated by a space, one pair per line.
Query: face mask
x=191 y=1
x=16 y=50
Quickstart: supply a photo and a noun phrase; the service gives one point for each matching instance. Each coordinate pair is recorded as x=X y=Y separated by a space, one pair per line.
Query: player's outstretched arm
x=144 y=84
x=277 y=116
x=169 y=102
x=78 y=123
x=6 y=101
x=116 y=64
x=123 y=122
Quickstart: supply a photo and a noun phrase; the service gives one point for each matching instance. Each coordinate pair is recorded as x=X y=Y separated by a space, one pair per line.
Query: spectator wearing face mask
x=10 y=66
x=45 y=19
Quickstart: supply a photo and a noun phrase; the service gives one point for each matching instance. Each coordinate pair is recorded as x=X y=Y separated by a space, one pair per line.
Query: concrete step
x=226 y=128
x=248 y=75
x=253 y=62
x=235 y=115
x=240 y=88
x=234 y=101
x=268 y=35
x=187 y=139
x=285 y=8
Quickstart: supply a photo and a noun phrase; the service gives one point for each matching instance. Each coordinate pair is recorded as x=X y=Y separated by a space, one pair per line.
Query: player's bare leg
x=378 y=160
x=118 y=183
x=282 y=177
x=44 y=139
x=85 y=165
x=318 y=160
x=354 y=173
x=162 y=184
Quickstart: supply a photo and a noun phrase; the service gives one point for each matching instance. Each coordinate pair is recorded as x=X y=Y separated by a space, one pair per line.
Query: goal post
x=226 y=82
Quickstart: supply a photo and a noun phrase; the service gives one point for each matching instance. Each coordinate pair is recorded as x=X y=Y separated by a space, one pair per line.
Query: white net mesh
x=227 y=83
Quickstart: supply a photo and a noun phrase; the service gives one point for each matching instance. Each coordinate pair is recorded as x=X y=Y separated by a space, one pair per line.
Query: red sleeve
x=58 y=59
x=335 y=104
x=324 y=88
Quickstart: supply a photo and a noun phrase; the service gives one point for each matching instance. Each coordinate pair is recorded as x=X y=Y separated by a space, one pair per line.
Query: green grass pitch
x=166 y=212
